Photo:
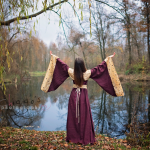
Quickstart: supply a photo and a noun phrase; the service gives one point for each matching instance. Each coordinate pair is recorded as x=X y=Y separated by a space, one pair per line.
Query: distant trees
x=26 y=53
x=146 y=22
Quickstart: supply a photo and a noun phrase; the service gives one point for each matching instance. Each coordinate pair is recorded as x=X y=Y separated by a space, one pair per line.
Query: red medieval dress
x=80 y=128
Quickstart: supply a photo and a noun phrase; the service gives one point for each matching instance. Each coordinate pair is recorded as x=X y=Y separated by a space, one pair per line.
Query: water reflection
x=48 y=111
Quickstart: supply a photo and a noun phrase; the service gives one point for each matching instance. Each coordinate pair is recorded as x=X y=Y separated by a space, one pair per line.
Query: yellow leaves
x=8 y=58
x=60 y=19
x=59 y=22
x=90 y=24
x=60 y=14
x=11 y=59
x=81 y=7
x=74 y=3
x=74 y=8
x=81 y=16
x=59 y=4
x=30 y=33
x=89 y=3
x=52 y=1
x=37 y=21
x=21 y=58
x=9 y=28
x=34 y=27
x=121 y=49
x=18 y=20
x=44 y=5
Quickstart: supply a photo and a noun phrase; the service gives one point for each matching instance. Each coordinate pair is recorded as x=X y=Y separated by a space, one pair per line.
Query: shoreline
x=134 y=77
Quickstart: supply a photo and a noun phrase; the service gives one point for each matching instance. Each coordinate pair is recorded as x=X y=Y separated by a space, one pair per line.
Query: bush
x=137 y=67
x=139 y=134
x=127 y=72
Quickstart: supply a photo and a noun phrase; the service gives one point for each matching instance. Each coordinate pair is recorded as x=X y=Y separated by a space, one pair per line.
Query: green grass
x=9 y=78
x=37 y=73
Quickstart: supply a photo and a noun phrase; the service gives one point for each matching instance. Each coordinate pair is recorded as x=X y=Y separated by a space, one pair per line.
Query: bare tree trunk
x=148 y=30
x=129 y=45
x=103 y=38
x=85 y=59
x=130 y=107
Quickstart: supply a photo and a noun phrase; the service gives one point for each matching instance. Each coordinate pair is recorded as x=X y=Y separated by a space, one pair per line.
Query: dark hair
x=79 y=69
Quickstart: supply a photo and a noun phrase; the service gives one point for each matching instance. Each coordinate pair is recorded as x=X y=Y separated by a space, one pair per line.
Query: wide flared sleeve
x=56 y=74
x=106 y=77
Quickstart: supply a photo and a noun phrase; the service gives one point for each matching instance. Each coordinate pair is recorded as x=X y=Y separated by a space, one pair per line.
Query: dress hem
x=81 y=141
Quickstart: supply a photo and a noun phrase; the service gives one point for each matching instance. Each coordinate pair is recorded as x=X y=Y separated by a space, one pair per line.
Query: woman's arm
x=106 y=77
x=56 y=74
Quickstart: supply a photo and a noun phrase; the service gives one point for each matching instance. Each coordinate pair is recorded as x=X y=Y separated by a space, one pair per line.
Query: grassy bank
x=13 y=138
x=10 y=78
x=134 y=77
x=122 y=77
x=37 y=73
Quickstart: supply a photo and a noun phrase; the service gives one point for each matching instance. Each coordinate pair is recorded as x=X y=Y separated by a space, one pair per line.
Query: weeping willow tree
x=14 y=16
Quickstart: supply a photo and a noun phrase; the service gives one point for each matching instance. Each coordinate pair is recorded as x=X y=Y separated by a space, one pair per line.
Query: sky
x=48 y=30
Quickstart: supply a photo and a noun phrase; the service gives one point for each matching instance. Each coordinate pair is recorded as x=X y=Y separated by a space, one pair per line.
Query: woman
x=80 y=128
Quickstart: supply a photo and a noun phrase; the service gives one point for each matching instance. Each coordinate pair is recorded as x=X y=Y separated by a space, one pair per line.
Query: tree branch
x=110 y=6
x=8 y=22
x=13 y=36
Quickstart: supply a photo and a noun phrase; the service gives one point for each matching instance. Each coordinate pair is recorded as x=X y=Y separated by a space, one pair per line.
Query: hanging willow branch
x=8 y=22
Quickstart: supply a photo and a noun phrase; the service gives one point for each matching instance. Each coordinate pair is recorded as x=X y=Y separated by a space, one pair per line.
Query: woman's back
x=86 y=75
x=79 y=71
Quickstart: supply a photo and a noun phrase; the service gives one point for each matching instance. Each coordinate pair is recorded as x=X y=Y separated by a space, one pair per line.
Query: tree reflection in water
x=111 y=115
x=20 y=107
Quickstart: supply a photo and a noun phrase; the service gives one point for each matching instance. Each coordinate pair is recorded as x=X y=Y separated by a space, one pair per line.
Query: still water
x=26 y=106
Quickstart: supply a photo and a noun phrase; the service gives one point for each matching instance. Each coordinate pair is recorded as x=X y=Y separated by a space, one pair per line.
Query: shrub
x=139 y=134
x=137 y=67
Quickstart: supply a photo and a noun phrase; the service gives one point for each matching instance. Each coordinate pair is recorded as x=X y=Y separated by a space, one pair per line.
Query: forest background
x=91 y=29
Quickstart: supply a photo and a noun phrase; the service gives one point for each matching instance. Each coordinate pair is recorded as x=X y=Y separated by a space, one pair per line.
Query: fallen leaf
x=106 y=147
x=66 y=145
x=124 y=141
x=128 y=146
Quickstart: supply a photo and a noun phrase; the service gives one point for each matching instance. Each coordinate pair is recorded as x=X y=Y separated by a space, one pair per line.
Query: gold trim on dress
x=49 y=74
x=82 y=86
x=114 y=77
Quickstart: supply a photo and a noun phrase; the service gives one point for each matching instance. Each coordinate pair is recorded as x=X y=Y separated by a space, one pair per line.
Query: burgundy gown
x=82 y=132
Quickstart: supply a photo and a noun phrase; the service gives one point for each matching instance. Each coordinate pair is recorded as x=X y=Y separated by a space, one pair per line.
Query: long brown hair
x=79 y=69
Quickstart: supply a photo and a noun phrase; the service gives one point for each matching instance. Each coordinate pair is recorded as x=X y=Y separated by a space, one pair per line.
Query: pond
x=26 y=106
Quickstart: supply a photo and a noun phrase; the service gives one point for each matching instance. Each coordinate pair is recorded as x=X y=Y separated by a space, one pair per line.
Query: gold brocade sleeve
x=49 y=74
x=114 y=77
